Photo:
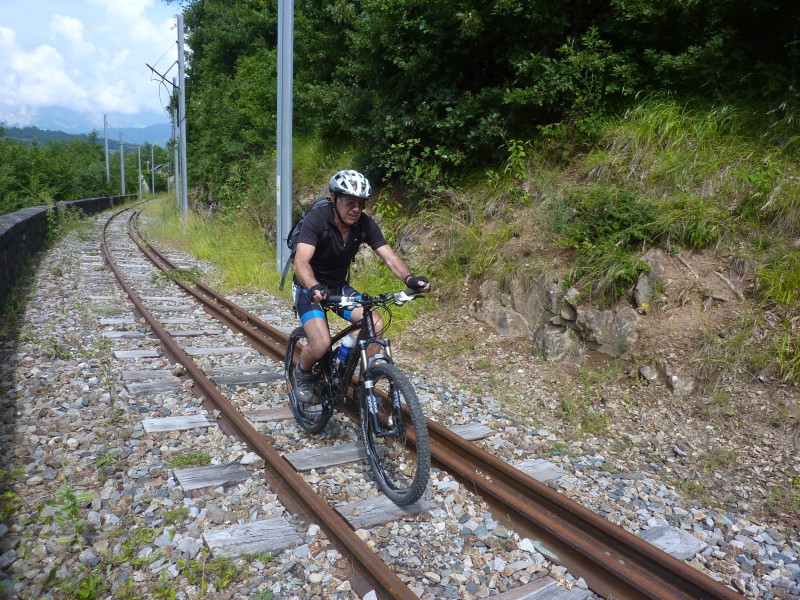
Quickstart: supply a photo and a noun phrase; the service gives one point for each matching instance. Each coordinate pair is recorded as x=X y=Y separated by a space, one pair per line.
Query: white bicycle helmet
x=351 y=183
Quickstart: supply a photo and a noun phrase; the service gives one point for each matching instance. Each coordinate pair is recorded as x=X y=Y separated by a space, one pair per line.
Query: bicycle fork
x=394 y=425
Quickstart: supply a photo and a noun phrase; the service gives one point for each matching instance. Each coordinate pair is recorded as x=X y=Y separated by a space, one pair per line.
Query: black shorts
x=307 y=311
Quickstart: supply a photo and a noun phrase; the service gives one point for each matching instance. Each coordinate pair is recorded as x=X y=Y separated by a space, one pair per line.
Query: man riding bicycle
x=329 y=241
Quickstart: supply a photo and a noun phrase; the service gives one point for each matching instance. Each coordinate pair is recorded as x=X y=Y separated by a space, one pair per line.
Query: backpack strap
x=323 y=236
x=285 y=271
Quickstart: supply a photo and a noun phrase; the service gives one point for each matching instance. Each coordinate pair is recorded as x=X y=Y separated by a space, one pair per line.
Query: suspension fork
x=395 y=421
x=395 y=425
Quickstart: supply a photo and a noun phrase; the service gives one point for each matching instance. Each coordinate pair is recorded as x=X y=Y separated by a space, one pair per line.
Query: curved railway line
x=614 y=563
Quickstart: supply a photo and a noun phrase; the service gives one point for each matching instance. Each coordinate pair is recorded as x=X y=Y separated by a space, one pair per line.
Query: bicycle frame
x=366 y=336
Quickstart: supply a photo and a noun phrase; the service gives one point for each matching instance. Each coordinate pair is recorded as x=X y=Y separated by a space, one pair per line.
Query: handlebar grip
x=339 y=301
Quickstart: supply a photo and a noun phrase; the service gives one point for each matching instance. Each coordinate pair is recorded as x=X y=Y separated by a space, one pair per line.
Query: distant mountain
x=131 y=136
x=158 y=135
x=153 y=128
x=42 y=136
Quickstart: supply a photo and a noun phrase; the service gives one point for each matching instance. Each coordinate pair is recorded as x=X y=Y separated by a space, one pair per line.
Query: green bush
x=608 y=227
x=695 y=222
x=779 y=279
x=38 y=175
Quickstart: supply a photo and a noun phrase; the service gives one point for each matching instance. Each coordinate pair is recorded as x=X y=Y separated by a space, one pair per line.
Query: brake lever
x=407 y=295
x=347 y=302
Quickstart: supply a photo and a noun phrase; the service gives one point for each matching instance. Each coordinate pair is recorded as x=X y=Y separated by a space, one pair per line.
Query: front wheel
x=397 y=447
x=311 y=416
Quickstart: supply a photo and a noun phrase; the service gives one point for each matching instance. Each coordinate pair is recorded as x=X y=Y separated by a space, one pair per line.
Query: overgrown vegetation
x=41 y=174
x=63 y=513
x=9 y=498
x=430 y=92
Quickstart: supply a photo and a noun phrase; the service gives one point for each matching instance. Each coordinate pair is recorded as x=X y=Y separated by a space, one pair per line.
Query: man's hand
x=418 y=283
x=317 y=293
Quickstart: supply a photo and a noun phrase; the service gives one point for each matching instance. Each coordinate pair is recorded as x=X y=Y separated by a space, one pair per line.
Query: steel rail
x=614 y=562
x=264 y=337
x=368 y=566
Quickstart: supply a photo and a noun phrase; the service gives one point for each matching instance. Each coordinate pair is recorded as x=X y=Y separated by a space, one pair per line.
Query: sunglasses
x=362 y=204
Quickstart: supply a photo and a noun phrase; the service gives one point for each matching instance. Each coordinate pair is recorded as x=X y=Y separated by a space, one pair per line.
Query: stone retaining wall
x=23 y=233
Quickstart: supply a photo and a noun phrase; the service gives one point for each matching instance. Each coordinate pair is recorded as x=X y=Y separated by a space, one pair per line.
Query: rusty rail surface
x=614 y=562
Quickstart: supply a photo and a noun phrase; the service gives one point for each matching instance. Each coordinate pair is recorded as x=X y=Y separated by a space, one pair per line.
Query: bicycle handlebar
x=397 y=298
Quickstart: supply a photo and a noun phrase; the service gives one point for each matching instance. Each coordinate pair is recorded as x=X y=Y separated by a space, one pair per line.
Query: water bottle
x=345 y=350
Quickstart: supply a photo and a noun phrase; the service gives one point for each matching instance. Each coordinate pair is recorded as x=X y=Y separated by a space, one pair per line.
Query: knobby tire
x=400 y=469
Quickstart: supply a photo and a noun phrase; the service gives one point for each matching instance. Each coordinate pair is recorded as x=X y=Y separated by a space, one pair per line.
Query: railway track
x=614 y=563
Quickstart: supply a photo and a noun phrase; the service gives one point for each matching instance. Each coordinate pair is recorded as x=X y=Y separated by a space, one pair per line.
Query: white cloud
x=72 y=30
x=8 y=38
x=38 y=78
x=114 y=97
x=91 y=58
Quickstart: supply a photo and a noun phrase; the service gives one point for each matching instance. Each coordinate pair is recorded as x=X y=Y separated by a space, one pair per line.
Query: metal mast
x=182 y=122
x=284 y=166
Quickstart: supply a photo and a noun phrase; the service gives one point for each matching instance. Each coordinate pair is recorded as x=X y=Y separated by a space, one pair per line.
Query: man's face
x=350 y=208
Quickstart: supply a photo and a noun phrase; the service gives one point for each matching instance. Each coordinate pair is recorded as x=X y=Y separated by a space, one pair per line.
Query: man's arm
x=303 y=271
x=396 y=265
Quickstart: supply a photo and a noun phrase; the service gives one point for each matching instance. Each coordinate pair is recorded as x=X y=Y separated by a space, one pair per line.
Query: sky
x=86 y=56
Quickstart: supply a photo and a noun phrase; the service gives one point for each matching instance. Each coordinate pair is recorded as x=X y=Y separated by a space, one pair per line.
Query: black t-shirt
x=332 y=256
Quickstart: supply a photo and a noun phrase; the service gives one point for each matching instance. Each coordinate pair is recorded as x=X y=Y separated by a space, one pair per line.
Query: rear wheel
x=311 y=416
x=397 y=448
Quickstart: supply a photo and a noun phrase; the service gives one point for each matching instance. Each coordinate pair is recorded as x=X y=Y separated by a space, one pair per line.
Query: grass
x=695 y=490
x=677 y=146
x=608 y=227
x=784 y=501
x=86 y=584
x=786 y=348
x=580 y=402
x=244 y=256
x=680 y=175
x=66 y=514
x=750 y=345
x=191 y=459
x=779 y=279
x=206 y=571
x=718 y=458
x=313 y=164
x=720 y=401
x=10 y=500
x=105 y=462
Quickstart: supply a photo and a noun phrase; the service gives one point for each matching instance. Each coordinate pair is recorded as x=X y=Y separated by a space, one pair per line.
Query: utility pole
x=169 y=158
x=284 y=166
x=105 y=130
x=170 y=166
x=172 y=104
x=139 y=148
x=122 y=162
x=182 y=122
x=176 y=169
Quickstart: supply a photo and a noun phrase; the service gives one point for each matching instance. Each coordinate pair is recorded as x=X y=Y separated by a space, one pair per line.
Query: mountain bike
x=392 y=423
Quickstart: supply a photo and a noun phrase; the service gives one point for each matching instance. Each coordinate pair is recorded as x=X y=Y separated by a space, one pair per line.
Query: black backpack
x=294 y=234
